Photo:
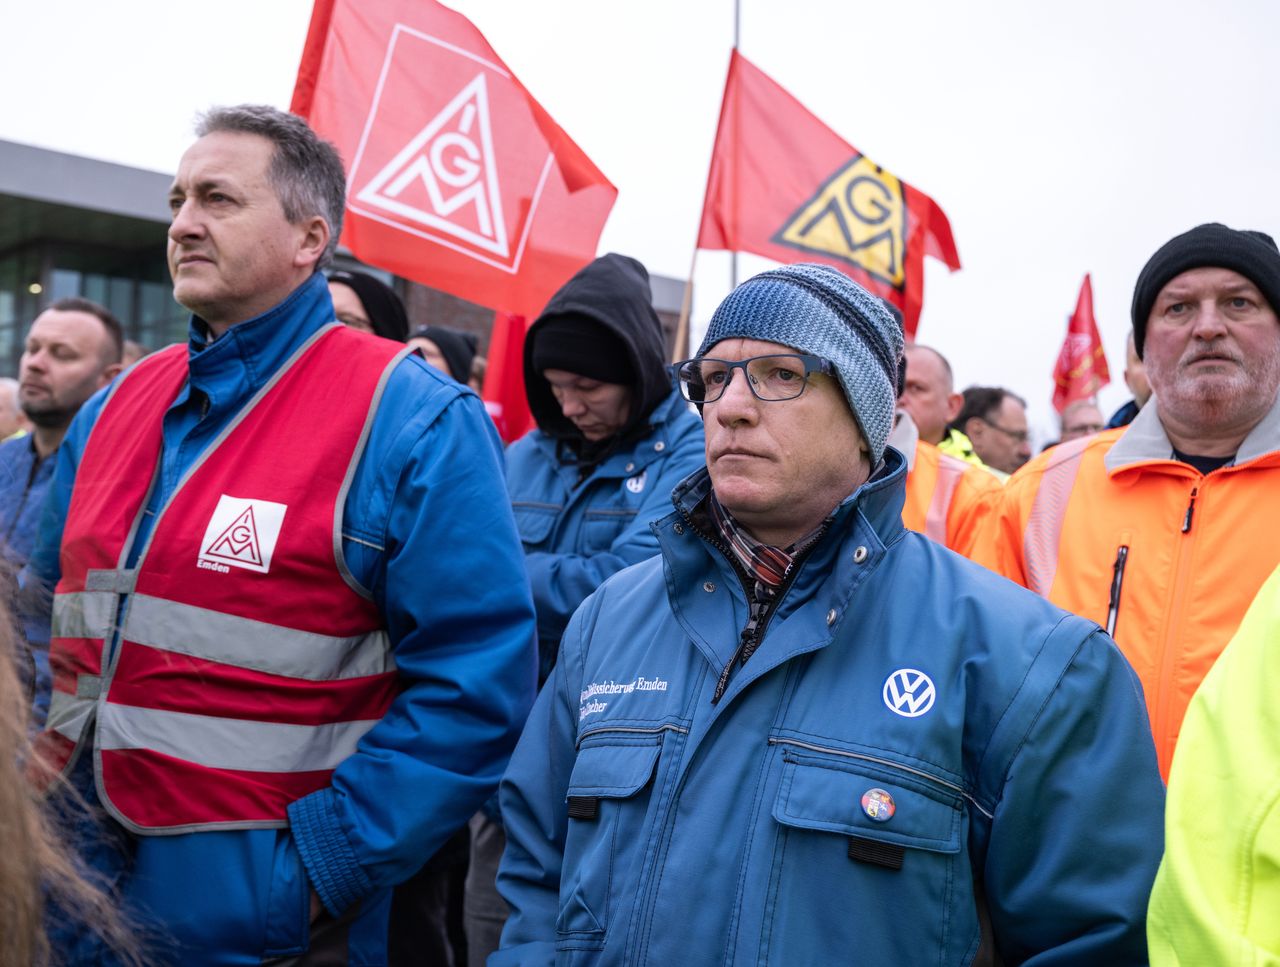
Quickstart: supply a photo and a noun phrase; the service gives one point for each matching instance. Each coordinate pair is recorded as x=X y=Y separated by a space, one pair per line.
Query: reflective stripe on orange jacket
x=948 y=499
x=1167 y=559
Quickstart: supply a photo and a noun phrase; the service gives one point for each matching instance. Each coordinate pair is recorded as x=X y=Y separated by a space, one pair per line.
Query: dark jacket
x=1123 y=416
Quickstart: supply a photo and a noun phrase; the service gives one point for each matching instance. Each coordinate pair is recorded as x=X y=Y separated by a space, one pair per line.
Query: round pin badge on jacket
x=878 y=805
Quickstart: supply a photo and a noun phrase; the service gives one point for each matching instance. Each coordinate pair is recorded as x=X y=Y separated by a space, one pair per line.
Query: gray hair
x=306 y=171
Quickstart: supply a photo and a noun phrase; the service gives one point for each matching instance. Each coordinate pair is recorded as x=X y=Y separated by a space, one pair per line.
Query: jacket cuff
x=326 y=851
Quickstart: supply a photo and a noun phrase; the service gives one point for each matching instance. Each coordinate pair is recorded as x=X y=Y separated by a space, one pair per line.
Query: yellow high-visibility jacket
x=1217 y=896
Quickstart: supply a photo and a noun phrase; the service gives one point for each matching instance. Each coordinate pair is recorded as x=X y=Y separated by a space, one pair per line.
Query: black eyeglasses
x=770 y=378
x=1017 y=436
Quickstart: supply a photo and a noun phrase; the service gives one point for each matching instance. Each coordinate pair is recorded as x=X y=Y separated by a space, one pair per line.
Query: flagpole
x=733 y=258
x=680 y=350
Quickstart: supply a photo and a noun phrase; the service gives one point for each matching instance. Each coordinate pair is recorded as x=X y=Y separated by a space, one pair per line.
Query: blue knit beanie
x=822 y=312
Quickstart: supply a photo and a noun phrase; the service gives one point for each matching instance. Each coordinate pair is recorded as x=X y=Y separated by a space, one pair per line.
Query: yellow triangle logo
x=859 y=216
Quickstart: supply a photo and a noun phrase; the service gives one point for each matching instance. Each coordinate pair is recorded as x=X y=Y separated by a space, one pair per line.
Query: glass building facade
x=132 y=283
x=72 y=226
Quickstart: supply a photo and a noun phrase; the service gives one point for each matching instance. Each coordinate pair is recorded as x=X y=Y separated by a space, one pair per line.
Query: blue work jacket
x=24 y=479
x=916 y=749
x=576 y=534
x=24 y=482
x=428 y=531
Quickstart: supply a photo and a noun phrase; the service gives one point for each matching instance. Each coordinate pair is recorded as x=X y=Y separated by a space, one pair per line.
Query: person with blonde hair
x=36 y=870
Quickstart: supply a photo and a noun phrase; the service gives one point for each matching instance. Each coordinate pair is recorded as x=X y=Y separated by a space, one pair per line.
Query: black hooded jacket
x=614 y=291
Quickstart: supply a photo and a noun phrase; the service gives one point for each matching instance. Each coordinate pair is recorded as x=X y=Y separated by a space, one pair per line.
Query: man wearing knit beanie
x=451 y=351
x=800 y=709
x=1151 y=529
x=368 y=304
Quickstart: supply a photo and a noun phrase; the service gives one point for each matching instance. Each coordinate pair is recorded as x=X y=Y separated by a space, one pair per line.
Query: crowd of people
x=789 y=652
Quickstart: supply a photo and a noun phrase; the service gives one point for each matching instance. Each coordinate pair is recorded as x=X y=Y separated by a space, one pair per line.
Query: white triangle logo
x=241 y=533
x=446 y=178
x=239 y=542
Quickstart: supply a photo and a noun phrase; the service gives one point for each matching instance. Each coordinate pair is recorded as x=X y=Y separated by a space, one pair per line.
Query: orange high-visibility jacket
x=1165 y=558
x=948 y=499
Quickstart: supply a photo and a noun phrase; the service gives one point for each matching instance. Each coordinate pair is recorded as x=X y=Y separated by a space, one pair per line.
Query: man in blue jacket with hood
x=614 y=437
x=804 y=735
x=292 y=635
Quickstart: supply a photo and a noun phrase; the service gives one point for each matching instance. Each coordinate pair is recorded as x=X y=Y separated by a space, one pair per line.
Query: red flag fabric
x=1081 y=369
x=504 y=395
x=785 y=186
x=456 y=177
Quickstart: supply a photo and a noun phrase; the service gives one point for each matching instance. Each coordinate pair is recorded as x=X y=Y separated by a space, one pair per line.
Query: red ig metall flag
x=456 y=177
x=784 y=185
x=1081 y=369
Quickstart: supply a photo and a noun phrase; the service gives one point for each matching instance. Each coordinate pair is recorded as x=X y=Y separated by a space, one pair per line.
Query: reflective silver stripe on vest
x=1043 y=533
x=223 y=743
x=246 y=643
x=944 y=488
x=115 y=580
x=84 y=614
x=68 y=714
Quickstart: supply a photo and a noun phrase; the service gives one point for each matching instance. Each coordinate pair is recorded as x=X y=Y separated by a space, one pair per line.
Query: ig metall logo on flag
x=449 y=169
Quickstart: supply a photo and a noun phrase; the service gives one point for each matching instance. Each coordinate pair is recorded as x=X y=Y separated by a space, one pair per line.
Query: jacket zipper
x=751 y=636
x=1181 y=577
x=652 y=730
x=1117 y=582
x=888 y=763
x=744 y=579
x=748 y=641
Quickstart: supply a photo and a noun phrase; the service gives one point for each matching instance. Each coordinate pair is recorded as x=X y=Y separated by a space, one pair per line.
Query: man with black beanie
x=1153 y=530
x=368 y=304
x=614 y=436
x=451 y=351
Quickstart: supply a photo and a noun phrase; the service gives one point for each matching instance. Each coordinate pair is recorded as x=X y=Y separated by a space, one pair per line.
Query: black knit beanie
x=384 y=307
x=1253 y=254
x=579 y=344
x=457 y=347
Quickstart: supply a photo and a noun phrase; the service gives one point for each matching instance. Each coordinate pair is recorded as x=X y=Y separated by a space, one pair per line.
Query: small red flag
x=456 y=177
x=785 y=186
x=504 y=395
x=1081 y=369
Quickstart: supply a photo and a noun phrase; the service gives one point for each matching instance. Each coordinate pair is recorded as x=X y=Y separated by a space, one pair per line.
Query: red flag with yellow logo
x=785 y=186
x=1081 y=369
x=456 y=177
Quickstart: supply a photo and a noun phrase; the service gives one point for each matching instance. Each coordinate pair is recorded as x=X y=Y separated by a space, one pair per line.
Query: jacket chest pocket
x=601 y=526
x=534 y=522
x=606 y=813
x=871 y=859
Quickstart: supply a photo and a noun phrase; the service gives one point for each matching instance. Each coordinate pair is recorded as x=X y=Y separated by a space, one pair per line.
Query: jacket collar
x=869 y=520
x=1145 y=439
x=878 y=502
x=904 y=436
x=250 y=352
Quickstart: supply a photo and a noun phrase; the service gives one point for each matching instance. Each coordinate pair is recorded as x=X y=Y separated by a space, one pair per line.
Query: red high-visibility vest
x=249 y=662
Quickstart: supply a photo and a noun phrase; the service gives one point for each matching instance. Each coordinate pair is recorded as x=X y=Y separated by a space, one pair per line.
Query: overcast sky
x=1059 y=139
